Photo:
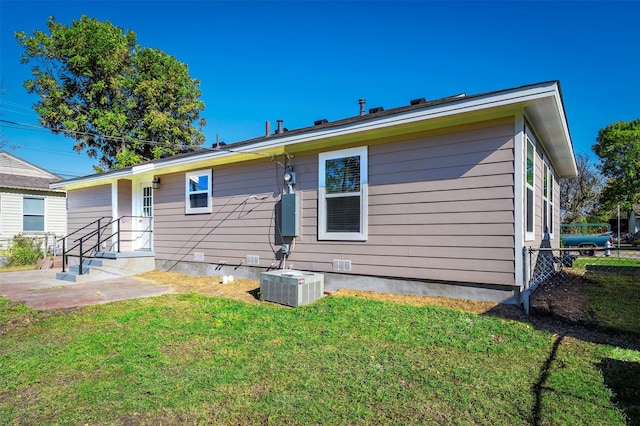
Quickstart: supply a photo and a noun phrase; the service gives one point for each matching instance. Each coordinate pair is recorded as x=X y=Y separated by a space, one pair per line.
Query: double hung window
x=342 y=195
x=547 y=200
x=32 y=214
x=530 y=189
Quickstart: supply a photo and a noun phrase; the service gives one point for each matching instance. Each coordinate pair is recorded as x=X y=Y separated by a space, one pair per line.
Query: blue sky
x=302 y=61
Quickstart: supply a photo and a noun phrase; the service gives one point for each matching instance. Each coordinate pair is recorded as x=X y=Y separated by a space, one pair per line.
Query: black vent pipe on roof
x=319 y=122
x=362 y=101
x=376 y=109
x=418 y=101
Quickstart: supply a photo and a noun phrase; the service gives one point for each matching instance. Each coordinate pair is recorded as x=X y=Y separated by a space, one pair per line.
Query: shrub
x=24 y=250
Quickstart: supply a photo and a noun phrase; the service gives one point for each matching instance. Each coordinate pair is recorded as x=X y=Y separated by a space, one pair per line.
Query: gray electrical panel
x=290 y=287
x=290 y=215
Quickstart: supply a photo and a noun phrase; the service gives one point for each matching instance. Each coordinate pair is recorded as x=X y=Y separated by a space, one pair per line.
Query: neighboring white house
x=27 y=204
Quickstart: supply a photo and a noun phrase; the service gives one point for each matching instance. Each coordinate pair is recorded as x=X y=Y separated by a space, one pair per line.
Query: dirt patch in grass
x=32 y=317
x=245 y=290
x=407 y=299
x=564 y=296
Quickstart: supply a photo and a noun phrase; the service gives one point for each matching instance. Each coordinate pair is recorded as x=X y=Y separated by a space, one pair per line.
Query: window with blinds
x=342 y=202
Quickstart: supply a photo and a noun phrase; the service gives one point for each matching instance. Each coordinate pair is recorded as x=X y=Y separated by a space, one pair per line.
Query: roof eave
x=548 y=117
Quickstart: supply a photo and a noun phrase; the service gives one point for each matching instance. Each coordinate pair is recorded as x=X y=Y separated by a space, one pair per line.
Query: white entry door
x=143 y=234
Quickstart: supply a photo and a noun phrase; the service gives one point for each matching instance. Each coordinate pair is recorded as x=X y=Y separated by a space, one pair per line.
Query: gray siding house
x=436 y=198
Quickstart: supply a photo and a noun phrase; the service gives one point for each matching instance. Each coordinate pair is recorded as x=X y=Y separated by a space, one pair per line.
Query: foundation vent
x=341 y=265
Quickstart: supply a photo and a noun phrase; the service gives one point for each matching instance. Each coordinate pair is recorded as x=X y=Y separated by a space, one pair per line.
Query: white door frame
x=142 y=228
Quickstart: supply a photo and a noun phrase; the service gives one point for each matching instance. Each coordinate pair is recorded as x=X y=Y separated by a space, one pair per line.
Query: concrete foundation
x=333 y=281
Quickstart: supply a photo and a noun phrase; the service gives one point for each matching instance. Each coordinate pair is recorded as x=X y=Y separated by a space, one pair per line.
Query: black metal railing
x=97 y=230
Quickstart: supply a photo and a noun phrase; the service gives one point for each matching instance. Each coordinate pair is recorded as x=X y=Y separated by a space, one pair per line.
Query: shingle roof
x=25 y=182
x=375 y=114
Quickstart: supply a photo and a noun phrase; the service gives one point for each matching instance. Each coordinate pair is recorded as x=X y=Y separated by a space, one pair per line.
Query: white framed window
x=547 y=199
x=32 y=214
x=342 y=194
x=198 y=192
x=530 y=187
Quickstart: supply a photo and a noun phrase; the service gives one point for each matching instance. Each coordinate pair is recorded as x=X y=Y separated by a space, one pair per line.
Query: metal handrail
x=80 y=229
x=95 y=232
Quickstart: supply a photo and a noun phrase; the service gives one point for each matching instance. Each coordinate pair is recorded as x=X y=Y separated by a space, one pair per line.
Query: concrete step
x=75 y=269
x=74 y=277
x=108 y=265
x=92 y=263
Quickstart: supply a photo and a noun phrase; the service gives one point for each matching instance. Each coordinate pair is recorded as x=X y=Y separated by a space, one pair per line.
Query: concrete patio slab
x=39 y=289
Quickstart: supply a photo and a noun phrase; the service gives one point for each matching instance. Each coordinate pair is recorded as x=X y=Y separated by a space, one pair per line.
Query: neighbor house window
x=198 y=192
x=530 y=190
x=32 y=214
x=342 y=195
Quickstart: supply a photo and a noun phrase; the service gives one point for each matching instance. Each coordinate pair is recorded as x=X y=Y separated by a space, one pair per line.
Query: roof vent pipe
x=362 y=101
x=267 y=125
x=279 y=126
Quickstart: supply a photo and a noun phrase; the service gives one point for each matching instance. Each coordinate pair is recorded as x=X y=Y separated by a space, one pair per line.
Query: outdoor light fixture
x=155 y=183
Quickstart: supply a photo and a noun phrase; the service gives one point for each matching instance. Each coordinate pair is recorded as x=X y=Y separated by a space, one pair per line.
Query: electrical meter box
x=290 y=215
x=291 y=288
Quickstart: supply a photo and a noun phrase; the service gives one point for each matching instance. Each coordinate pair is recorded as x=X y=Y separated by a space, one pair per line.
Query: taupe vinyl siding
x=440 y=208
x=85 y=206
x=242 y=216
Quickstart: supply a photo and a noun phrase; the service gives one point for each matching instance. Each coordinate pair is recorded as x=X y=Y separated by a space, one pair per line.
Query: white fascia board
x=143 y=168
x=90 y=180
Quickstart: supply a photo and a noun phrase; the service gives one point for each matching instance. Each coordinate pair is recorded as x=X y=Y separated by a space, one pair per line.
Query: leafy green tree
x=618 y=146
x=579 y=196
x=122 y=103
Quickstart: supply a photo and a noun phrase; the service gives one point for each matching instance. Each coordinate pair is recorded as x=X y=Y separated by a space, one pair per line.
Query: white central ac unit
x=290 y=287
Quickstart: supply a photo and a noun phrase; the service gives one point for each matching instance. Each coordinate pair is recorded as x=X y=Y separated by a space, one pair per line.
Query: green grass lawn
x=614 y=300
x=18 y=268
x=342 y=360
x=614 y=291
x=613 y=261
